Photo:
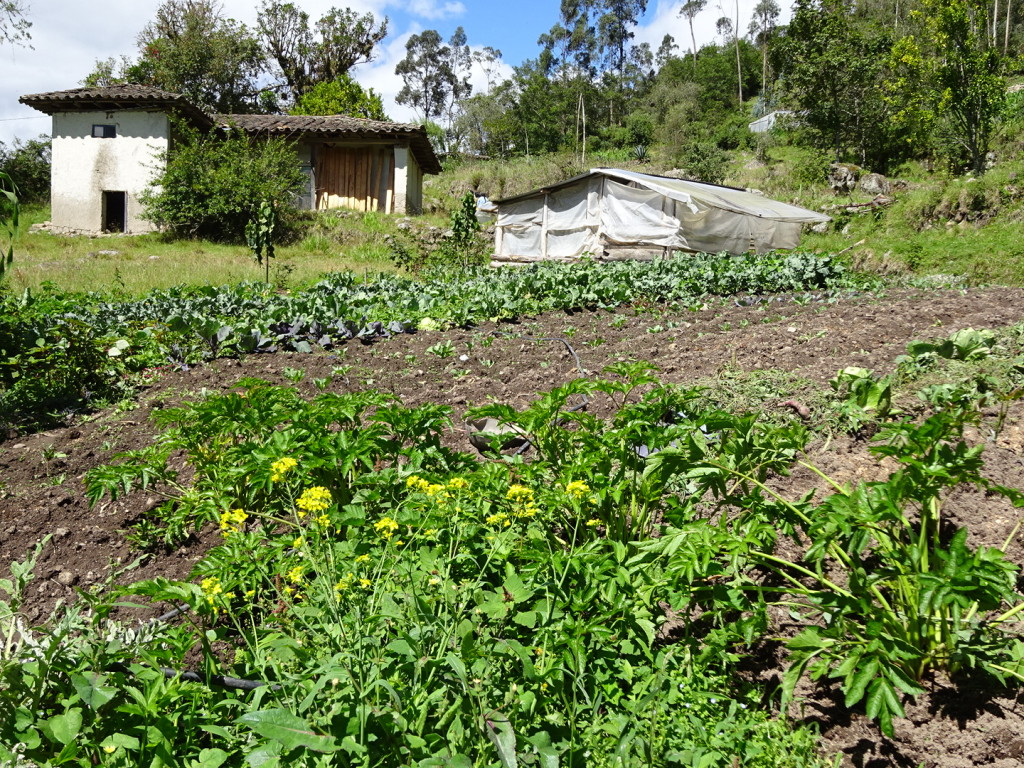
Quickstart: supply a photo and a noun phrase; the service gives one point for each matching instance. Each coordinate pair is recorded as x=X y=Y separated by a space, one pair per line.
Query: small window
x=104 y=131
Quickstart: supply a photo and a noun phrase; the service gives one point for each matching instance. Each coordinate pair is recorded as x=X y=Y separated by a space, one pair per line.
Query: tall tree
x=666 y=50
x=13 y=24
x=592 y=36
x=689 y=11
x=435 y=74
x=307 y=54
x=762 y=25
x=191 y=48
x=834 y=69
x=724 y=29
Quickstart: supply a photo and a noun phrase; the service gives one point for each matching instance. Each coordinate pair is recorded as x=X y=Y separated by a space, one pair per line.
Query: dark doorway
x=115 y=211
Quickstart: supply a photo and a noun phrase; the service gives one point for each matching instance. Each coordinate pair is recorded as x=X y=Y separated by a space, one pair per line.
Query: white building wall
x=84 y=167
x=408 y=182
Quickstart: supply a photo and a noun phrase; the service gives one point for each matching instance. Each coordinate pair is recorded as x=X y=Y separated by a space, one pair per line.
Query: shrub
x=28 y=164
x=213 y=183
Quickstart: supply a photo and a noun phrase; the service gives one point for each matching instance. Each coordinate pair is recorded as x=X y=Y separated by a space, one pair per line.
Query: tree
x=666 y=50
x=762 y=24
x=593 y=35
x=342 y=96
x=192 y=49
x=309 y=54
x=13 y=24
x=431 y=73
x=689 y=11
x=834 y=70
x=488 y=59
x=951 y=84
x=724 y=28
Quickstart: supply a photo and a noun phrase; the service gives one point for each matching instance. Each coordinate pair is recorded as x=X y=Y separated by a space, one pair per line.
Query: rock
x=842 y=178
x=66 y=578
x=875 y=184
x=821 y=228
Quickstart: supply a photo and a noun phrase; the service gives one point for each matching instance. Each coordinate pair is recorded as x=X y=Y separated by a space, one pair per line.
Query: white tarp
x=610 y=207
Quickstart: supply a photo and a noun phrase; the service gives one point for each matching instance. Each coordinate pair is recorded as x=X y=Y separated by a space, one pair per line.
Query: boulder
x=875 y=184
x=842 y=178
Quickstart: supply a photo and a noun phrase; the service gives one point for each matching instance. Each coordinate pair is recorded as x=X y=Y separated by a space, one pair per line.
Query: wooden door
x=360 y=178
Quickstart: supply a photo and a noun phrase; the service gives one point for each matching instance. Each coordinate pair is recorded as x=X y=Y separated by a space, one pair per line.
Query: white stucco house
x=108 y=141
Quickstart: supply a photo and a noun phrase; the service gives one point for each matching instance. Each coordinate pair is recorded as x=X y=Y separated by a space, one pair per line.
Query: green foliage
x=71 y=366
x=54 y=365
x=28 y=164
x=10 y=213
x=191 y=48
x=833 y=69
x=213 y=184
x=259 y=234
x=342 y=96
x=415 y=604
x=953 y=89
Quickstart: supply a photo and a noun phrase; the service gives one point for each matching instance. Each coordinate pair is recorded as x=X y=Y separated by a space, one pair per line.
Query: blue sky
x=70 y=35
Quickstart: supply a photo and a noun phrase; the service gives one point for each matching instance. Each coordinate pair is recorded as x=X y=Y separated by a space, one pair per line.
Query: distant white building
x=108 y=141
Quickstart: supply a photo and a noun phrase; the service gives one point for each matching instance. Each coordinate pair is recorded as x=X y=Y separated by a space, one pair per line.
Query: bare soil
x=958 y=723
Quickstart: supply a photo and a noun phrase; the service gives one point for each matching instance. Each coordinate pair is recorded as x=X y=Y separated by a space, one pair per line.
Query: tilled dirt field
x=961 y=724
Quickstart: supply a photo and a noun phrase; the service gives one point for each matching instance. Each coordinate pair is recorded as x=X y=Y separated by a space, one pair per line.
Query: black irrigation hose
x=221 y=681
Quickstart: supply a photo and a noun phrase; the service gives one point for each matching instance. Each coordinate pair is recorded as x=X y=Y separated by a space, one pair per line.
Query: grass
x=136 y=264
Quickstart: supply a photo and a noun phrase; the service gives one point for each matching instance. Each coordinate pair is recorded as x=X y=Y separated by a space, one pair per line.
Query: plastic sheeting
x=614 y=208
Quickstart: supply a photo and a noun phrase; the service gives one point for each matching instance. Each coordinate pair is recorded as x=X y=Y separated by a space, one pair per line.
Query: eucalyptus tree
x=689 y=10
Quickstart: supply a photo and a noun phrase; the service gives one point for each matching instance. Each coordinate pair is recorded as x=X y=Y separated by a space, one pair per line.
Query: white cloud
x=432 y=9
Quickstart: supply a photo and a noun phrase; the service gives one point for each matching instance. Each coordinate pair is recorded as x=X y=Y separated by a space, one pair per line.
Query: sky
x=69 y=36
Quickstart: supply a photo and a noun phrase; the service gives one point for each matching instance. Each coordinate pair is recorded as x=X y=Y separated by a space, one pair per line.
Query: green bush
x=213 y=183
x=28 y=164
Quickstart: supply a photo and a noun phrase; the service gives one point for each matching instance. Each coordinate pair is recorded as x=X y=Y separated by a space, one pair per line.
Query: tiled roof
x=339 y=126
x=111 y=97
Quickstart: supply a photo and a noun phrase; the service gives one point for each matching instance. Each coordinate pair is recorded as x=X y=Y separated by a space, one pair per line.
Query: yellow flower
x=417 y=483
x=315 y=499
x=295 y=574
x=577 y=489
x=299 y=541
x=365 y=583
x=362 y=558
x=528 y=510
x=593 y=523
x=434 y=581
x=433 y=489
x=501 y=518
x=110 y=749
x=344 y=583
x=386 y=527
x=518 y=492
x=323 y=521
x=458 y=483
x=282 y=467
x=232 y=521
